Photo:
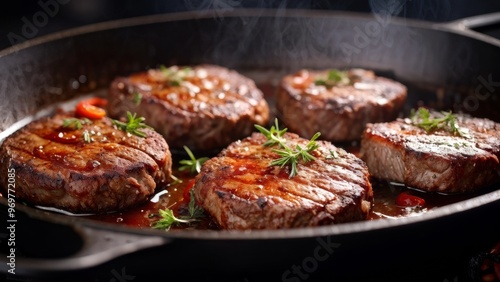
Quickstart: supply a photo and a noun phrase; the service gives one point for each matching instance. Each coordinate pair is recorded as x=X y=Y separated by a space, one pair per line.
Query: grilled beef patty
x=61 y=167
x=438 y=161
x=308 y=102
x=241 y=190
x=205 y=107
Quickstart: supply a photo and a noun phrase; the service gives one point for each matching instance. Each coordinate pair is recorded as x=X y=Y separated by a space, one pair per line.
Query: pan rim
x=338 y=229
x=291 y=233
x=450 y=27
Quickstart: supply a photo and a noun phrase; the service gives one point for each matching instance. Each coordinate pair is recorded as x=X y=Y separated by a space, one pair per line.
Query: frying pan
x=447 y=66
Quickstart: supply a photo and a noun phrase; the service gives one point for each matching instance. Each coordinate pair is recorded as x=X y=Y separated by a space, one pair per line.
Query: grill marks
x=206 y=111
x=242 y=191
x=114 y=171
x=339 y=112
x=436 y=161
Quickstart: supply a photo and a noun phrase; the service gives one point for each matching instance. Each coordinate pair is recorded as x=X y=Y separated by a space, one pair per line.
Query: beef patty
x=338 y=104
x=439 y=160
x=241 y=190
x=94 y=169
x=204 y=107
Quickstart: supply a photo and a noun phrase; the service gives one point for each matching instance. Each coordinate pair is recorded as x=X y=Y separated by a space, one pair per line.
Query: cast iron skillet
x=448 y=66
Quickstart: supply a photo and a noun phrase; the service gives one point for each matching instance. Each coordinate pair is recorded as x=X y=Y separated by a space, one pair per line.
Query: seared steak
x=61 y=167
x=439 y=160
x=241 y=190
x=205 y=107
x=339 y=107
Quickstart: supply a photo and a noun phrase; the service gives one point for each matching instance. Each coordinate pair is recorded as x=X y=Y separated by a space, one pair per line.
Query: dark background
x=17 y=16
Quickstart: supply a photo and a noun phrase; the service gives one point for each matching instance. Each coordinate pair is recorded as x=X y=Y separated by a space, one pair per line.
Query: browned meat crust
x=206 y=110
x=56 y=167
x=340 y=112
x=437 y=161
x=241 y=191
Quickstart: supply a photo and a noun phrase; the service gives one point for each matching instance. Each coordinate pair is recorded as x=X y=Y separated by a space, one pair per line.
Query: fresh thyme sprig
x=75 y=123
x=133 y=125
x=422 y=118
x=193 y=164
x=168 y=218
x=288 y=155
x=335 y=77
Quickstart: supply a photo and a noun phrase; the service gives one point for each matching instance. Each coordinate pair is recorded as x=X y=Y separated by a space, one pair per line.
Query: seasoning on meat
x=204 y=107
x=338 y=104
x=241 y=190
x=84 y=166
x=460 y=155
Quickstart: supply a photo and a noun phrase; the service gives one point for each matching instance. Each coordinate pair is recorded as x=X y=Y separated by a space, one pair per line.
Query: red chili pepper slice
x=186 y=194
x=405 y=199
x=90 y=108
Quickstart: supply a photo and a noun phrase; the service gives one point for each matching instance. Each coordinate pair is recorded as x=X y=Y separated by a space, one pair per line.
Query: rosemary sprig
x=194 y=210
x=335 y=77
x=133 y=125
x=292 y=157
x=273 y=135
x=422 y=118
x=288 y=155
x=174 y=75
x=193 y=164
x=75 y=123
x=168 y=218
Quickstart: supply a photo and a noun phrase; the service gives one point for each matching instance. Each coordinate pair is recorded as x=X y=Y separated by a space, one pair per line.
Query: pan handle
x=467 y=25
x=99 y=246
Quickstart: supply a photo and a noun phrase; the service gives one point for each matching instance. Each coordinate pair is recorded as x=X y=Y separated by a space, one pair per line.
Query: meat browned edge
x=209 y=108
x=241 y=190
x=340 y=112
x=55 y=167
x=438 y=161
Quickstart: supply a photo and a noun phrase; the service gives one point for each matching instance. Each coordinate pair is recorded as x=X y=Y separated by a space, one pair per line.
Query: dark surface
x=74 y=13
x=444 y=65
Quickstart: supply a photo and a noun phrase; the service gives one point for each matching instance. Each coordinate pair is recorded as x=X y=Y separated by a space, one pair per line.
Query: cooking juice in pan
x=173 y=196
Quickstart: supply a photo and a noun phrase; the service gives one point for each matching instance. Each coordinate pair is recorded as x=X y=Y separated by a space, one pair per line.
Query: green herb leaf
x=168 y=218
x=193 y=164
x=274 y=135
x=174 y=75
x=422 y=118
x=75 y=123
x=335 y=77
x=195 y=211
x=137 y=98
x=133 y=125
x=288 y=156
x=333 y=155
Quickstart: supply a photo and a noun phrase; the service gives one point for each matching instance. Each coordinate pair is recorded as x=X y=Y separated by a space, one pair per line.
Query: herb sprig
x=137 y=98
x=335 y=77
x=193 y=164
x=422 y=118
x=288 y=155
x=174 y=75
x=75 y=123
x=168 y=219
x=274 y=135
x=133 y=125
